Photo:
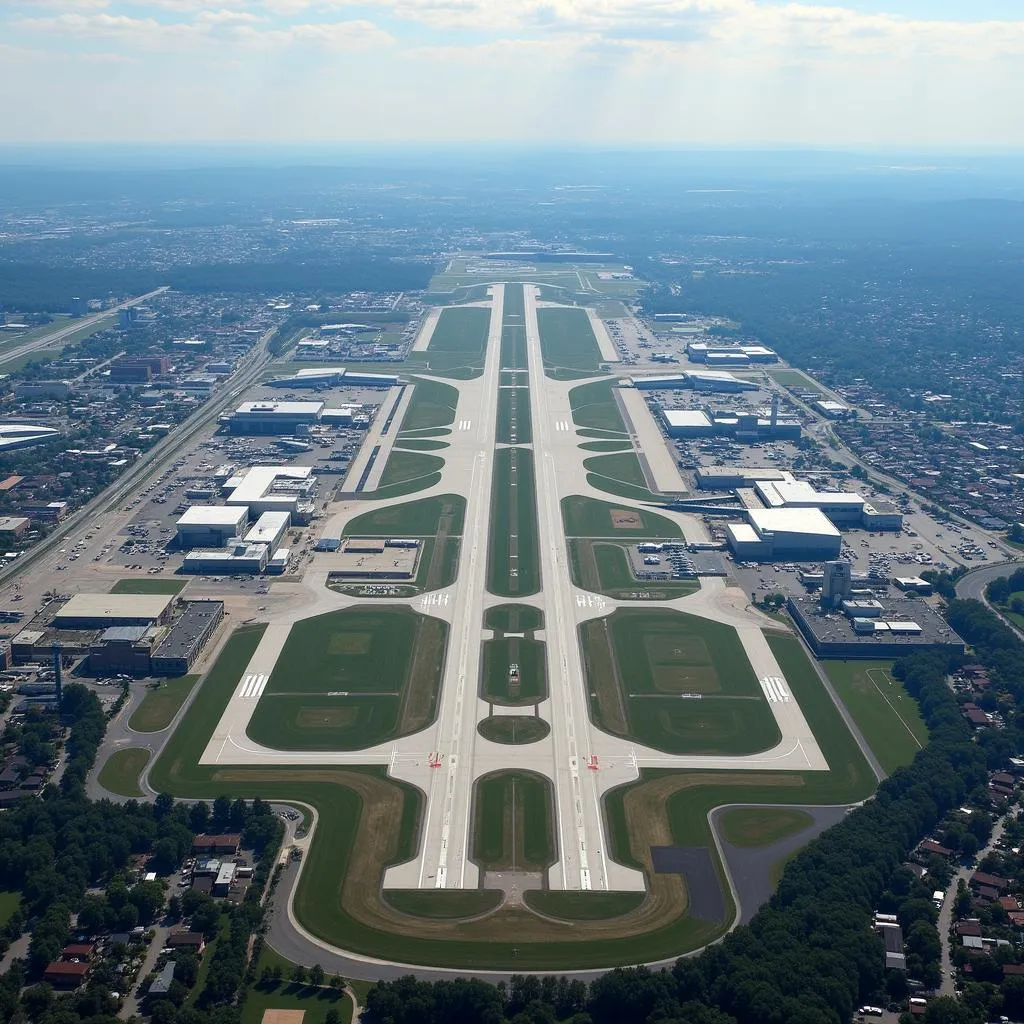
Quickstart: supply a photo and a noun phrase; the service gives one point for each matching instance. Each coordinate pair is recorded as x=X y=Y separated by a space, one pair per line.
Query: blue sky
x=902 y=73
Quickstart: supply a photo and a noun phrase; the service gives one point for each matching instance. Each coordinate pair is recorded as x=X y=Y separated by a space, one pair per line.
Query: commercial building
x=225 y=877
x=833 y=410
x=28 y=389
x=840 y=506
x=729 y=355
x=326 y=376
x=269 y=529
x=185 y=640
x=885 y=635
x=261 y=418
x=882 y=515
x=278 y=562
x=687 y=423
x=49 y=512
x=235 y=558
x=729 y=478
x=745 y=426
x=12 y=527
x=211 y=526
x=101 y=611
x=273 y=489
x=699 y=380
x=24 y=435
x=913 y=585
x=123 y=650
x=802 y=534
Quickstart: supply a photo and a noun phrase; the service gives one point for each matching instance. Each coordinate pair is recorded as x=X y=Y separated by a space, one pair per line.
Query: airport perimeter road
x=582 y=862
x=972 y=584
x=47 y=340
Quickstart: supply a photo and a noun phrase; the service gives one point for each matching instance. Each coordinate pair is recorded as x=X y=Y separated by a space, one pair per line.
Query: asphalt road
x=972 y=586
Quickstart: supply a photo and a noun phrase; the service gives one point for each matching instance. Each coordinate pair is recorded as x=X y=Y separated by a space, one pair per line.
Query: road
x=48 y=340
x=972 y=587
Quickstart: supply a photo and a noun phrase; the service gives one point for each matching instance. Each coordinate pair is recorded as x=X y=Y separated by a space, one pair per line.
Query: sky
x=884 y=73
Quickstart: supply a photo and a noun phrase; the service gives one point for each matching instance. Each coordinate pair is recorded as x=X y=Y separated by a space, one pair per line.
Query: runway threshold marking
x=775 y=691
x=253 y=687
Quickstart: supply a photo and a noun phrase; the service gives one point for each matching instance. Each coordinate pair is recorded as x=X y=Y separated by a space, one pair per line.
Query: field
x=459 y=339
x=583 y=906
x=442 y=904
x=161 y=704
x=51 y=350
x=885 y=713
x=594 y=407
x=762 y=826
x=513 y=822
x=624 y=467
x=420 y=444
x=9 y=903
x=406 y=467
x=120 y=773
x=314 y=1002
x=513 y=329
x=513 y=426
x=795 y=379
x=432 y=405
x=588 y=517
x=513 y=568
x=513 y=729
x=514 y=618
x=495 y=684
x=148 y=586
x=567 y=340
x=423 y=518
x=348 y=679
x=606 y=446
x=675 y=682
x=605 y=569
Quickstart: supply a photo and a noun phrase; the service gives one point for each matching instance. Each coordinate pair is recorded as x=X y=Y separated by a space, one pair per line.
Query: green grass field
x=605 y=569
x=432 y=405
x=513 y=329
x=407 y=467
x=120 y=773
x=761 y=826
x=513 y=822
x=795 y=379
x=514 y=618
x=607 y=446
x=495 y=683
x=640 y=664
x=594 y=408
x=885 y=713
x=9 y=903
x=567 y=340
x=513 y=729
x=348 y=679
x=582 y=906
x=624 y=467
x=513 y=423
x=459 y=339
x=442 y=904
x=420 y=444
x=588 y=517
x=513 y=568
x=315 y=1003
x=423 y=518
x=150 y=585
x=161 y=704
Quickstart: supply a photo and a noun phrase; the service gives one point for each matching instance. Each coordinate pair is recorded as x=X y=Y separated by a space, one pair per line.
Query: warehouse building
x=185 y=640
x=729 y=478
x=833 y=410
x=270 y=529
x=211 y=526
x=262 y=489
x=319 y=377
x=839 y=506
x=699 y=380
x=101 y=611
x=235 y=558
x=729 y=355
x=801 y=534
x=746 y=426
x=275 y=418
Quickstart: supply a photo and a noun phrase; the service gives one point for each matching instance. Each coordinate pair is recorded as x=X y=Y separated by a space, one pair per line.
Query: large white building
x=699 y=380
x=237 y=558
x=312 y=377
x=23 y=435
x=273 y=489
x=273 y=417
x=269 y=529
x=839 y=506
x=796 y=534
x=211 y=526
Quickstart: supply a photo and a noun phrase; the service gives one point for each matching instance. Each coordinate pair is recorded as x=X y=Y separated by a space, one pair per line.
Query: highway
x=48 y=340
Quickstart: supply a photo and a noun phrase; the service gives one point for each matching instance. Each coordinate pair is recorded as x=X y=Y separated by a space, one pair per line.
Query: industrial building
x=699 y=380
x=23 y=435
x=749 y=426
x=185 y=640
x=376 y=558
x=840 y=506
x=273 y=417
x=319 y=377
x=833 y=410
x=798 y=534
x=729 y=355
x=273 y=489
x=269 y=529
x=101 y=611
x=236 y=558
x=12 y=527
x=728 y=478
x=211 y=526
x=884 y=634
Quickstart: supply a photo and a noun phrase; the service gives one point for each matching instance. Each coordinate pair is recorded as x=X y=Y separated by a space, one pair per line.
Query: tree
x=332 y=1016
x=299 y=974
x=316 y=976
x=199 y=816
x=163 y=805
x=337 y=982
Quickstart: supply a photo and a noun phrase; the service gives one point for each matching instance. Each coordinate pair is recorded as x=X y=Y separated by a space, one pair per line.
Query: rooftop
x=792 y=520
x=212 y=515
x=686 y=418
x=115 y=606
x=275 y=408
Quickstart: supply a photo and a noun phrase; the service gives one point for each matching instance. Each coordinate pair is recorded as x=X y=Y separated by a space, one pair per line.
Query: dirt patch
x=626 y=519
x=424 y=683
x=283 y=1016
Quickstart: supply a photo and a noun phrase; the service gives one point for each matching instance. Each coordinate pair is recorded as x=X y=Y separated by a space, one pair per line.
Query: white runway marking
x=465 y=424
x=434 y=600
x=561 y=425
x=775 y=691
x=252 y=687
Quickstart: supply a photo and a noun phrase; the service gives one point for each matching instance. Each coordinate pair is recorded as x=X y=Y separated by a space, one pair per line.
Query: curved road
x=972 y=586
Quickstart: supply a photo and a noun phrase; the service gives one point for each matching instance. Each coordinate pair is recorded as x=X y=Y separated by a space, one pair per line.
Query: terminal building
x=798 y=534
x=211 y=526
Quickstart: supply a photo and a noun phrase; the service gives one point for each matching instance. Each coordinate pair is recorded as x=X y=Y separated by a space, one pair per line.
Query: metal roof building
x=100 y=611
